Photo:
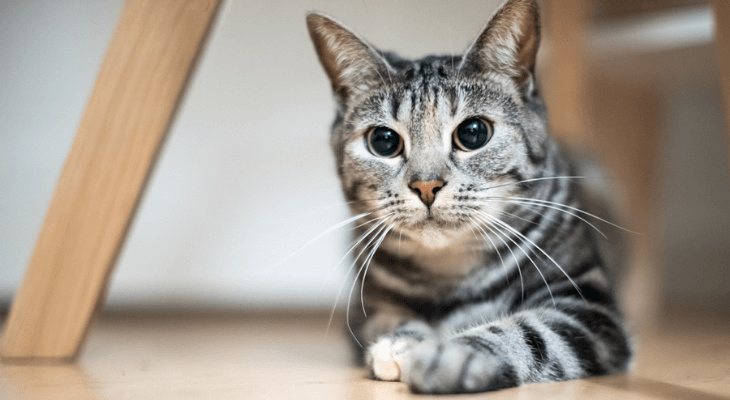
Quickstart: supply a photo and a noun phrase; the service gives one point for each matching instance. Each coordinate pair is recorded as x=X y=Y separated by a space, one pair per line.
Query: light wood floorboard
x=262 y=356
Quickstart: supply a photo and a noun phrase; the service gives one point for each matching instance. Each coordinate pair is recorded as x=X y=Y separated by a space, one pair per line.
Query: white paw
x=388 y=357
x=384 y=366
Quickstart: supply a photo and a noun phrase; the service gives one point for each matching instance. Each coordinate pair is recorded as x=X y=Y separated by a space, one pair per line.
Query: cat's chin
x=435 y=236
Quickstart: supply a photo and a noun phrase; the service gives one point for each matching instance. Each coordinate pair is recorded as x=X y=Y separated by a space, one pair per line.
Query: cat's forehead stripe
x=395 y=101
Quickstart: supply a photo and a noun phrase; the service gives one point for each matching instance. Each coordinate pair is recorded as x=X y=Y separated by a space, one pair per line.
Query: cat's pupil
x=472 y=134
x=384 y=142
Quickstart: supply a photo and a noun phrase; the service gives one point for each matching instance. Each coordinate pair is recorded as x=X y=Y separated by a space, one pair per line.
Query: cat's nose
x=427 y=190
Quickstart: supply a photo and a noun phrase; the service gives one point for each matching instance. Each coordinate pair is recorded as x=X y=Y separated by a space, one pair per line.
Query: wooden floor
x=289 y=357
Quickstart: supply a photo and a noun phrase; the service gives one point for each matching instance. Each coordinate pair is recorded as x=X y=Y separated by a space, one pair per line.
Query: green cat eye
x=384 y=142
x=472 y=134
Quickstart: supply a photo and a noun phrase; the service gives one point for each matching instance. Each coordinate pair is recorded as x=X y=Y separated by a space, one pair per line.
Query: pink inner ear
x=527 y=50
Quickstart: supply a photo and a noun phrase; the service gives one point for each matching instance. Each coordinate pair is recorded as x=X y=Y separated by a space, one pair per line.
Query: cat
x=478 y=268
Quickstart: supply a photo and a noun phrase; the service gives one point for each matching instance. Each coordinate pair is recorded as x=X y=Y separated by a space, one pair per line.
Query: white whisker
x=346 y=203
x=514 y=257
x=328 y=231
x=530 y=209
x=540 y=179
x=523 y=251
x=511 y=215
x=494 y=246
x=471 y=226
x=574 y=209
x=349 y=297
x=519 y=234
x=528 y=203
x=339 y=293
x=357 y=241
x=367 y=265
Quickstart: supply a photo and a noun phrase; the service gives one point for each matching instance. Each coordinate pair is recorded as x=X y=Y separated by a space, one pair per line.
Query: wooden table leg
x=140 y=84
x=722 y=45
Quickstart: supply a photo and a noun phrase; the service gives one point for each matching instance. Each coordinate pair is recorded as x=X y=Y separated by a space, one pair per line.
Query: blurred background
x=246 y=176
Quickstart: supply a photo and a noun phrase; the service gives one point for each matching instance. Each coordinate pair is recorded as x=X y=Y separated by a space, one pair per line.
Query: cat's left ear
x=509 y=43
x=351 y=64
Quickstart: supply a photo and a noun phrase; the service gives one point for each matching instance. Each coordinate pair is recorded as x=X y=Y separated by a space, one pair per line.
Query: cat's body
x=471 y=233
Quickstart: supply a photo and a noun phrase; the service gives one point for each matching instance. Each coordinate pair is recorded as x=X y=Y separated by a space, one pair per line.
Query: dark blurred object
x=618 y=77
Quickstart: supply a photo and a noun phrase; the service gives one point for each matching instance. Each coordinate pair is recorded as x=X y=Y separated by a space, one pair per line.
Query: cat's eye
x=472 y=134
x=384 y=142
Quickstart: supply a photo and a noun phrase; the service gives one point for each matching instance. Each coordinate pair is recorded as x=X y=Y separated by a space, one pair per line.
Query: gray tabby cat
x=479 y=272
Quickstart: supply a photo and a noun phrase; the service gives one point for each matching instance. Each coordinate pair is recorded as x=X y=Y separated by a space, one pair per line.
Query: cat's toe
x=383 y=364
x=387 y=356
x=449 y=367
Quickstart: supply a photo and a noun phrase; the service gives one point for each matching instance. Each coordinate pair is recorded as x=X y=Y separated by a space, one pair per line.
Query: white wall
x=246 y=165
x=49 y=55
x=246 y=175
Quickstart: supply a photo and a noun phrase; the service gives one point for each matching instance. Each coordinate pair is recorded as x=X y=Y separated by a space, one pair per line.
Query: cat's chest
x=452 y=262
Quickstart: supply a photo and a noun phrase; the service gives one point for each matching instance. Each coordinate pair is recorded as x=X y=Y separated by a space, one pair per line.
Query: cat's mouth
x=433 y=220
x=432 y=232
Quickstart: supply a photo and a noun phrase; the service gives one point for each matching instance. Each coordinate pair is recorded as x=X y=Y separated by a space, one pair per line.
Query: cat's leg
x=570 y=341
x=389 y=333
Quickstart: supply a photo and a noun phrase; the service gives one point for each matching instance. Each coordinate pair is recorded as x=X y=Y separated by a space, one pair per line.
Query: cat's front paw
x=454 y=367
x=386 y=358
x=389 y=353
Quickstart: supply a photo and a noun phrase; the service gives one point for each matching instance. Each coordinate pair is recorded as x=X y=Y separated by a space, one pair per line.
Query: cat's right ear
x=350 y=63
x=509 y=43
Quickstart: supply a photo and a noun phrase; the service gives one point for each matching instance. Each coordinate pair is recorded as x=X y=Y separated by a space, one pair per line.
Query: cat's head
x=424 y=142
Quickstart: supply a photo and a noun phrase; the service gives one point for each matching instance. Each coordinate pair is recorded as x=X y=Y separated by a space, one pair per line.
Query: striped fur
x=472 y=293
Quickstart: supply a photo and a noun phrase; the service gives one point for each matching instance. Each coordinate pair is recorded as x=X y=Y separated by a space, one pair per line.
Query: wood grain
x=722 y=45
x=144 y=73
x=247 y=356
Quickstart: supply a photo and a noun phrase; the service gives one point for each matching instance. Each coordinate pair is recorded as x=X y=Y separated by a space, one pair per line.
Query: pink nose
x=427 y=190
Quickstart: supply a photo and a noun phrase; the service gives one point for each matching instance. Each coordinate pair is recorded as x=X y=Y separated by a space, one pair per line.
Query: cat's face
x=423 y=143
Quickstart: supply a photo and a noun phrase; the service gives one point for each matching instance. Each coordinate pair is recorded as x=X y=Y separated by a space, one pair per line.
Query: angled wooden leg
x=722 y=44
x=142 y=78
